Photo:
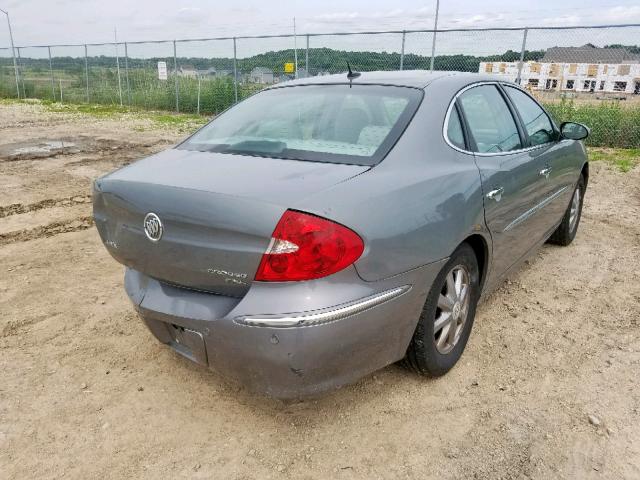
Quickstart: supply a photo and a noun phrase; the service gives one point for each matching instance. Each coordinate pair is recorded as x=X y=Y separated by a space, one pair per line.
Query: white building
x=188 y=71
x=578 y=69
x=261 y=75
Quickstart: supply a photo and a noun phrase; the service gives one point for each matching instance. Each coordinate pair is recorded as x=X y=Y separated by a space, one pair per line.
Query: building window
x=624 y=69
x=592 y=70
x=602 y=82
x=533 y=82
x=573 y=68
x=535 y=68
x=551 y=84
x=605 y=69
x=570 y=84
x=488 y=68
x=619 y=86
x=503 y=67
x=553 y=70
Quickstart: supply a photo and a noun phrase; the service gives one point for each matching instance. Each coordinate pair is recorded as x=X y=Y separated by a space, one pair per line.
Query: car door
x=510 y=174
x=555 y=166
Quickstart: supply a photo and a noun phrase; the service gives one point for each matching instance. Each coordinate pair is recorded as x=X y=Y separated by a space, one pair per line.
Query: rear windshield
x=320 y=123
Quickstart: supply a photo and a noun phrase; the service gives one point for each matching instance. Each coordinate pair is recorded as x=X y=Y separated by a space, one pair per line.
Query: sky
x=43 y=22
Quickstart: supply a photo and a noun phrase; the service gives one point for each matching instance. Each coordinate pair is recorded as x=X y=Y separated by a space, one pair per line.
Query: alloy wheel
x=575 y=208
x=452 y=310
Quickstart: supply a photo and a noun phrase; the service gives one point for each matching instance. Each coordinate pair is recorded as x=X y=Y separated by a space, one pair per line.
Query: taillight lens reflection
x=304 y=247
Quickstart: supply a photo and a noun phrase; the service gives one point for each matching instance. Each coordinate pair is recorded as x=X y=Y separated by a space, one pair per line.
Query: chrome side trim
x=533 y=210
x=479 y=154
x=308 y=319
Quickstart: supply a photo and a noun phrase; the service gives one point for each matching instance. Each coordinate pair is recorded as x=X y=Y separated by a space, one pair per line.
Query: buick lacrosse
x=327 y=227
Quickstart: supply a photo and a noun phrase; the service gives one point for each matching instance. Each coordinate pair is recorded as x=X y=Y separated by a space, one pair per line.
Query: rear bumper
x=288 y=360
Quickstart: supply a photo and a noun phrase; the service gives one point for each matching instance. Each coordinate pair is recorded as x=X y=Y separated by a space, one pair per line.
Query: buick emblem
x=153 y=227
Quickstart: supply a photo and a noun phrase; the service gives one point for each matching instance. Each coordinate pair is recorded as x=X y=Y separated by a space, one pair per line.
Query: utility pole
x=235 y=70
x=115 y=38
x=13 y=52
x=435 y=28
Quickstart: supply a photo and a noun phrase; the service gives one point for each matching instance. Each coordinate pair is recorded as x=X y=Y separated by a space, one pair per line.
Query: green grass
x=140 y=89
x=183 y=122
x=612 y=123
x=116 y=111
x=95 y=110
x=622 y=158
x=176 y=119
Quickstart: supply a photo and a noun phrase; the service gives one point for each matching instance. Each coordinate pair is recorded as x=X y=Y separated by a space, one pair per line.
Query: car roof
x=400 y=78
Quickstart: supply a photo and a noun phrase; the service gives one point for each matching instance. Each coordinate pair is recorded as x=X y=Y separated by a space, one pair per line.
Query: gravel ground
x=547 y=388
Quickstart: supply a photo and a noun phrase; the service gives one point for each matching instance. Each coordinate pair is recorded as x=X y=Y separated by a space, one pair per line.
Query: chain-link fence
x=583 y=73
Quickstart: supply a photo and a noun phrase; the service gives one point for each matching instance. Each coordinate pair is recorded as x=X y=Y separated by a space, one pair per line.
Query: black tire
x=422 y=355
x=565 y=233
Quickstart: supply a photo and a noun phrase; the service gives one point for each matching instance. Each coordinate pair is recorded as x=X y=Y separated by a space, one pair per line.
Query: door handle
x=496 y=194
x=545 y=172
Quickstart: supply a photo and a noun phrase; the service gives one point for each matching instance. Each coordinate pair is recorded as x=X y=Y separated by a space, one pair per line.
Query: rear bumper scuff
x=376 y=323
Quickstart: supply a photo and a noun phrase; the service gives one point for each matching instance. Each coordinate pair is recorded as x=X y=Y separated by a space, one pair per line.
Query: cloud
x=191 y=15
x=627 y=14
x=470 y=21
x=371 y=20
x=75 y=21
x=337 y=17
x=562 y=21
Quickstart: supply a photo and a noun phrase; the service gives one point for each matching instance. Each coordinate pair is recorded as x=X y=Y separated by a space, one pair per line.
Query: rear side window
x=454 y=129
x=489 y=119
x=536 y=122
x=322 y=123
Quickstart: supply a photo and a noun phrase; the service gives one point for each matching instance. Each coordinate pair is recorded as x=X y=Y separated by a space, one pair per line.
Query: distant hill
x=320 y=60
x=631 y=48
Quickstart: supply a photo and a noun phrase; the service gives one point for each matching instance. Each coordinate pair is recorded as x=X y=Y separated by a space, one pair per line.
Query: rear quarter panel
x=418 y=204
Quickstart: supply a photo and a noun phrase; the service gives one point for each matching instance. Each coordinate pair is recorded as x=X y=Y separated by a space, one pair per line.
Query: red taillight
x=304 y=247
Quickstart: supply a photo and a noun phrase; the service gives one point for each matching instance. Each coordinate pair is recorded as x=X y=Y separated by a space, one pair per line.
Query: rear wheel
x=447 y=316
x=566 y=231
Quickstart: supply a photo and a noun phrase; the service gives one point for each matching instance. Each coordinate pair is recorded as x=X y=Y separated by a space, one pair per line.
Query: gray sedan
x=327 y=227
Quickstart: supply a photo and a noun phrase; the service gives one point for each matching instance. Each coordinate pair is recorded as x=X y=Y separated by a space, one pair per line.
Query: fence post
x=13 y=54
x=126 y=72
x=295 y=49
x=118 y=72
x=524 y=45
x=435 y=31
x=60 y=80
x=235 y=70
x=404 y=34
x=175 y=67
x=24 y=94
x=306 y=58
x=86 y=72
x=53 y=86
x=198 y=108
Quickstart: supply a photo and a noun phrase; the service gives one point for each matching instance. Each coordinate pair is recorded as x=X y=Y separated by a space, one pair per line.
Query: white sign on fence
x=162 y=70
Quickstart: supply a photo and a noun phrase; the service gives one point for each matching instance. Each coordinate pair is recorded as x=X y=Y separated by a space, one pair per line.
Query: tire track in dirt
x=18 y=208
x=12 y=327
x=49 y=230
x=47 y=148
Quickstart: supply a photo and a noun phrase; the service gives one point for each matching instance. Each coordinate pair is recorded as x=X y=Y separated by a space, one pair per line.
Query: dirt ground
x=547 y=387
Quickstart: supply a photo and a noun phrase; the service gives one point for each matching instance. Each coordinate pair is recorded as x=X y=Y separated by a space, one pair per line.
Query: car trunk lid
x=217 y=211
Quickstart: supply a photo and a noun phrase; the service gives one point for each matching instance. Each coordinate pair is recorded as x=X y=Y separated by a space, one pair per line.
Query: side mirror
x=574 y=131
